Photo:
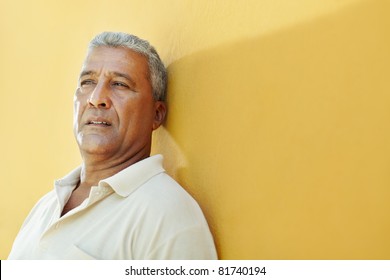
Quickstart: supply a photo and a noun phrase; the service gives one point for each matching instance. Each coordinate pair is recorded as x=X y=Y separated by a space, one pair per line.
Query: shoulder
x=43 y=208
x=170 y=223
x=46 y=201
x=163 y=195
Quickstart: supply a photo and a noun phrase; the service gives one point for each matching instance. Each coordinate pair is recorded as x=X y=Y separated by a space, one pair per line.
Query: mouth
x=98 y=123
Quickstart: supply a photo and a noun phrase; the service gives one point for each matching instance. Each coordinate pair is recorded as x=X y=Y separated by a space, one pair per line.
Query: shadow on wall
x=284 y=139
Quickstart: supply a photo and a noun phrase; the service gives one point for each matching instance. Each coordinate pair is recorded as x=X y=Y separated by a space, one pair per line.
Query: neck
x=94 y=170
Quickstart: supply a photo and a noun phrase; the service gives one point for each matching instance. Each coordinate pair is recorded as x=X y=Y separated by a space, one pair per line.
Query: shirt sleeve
x=193 y=243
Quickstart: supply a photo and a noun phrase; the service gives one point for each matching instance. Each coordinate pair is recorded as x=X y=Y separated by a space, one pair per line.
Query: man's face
x=114 y=109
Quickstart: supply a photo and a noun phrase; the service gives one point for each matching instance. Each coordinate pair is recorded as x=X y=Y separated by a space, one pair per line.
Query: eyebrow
x=113 y=73
x=85 y=73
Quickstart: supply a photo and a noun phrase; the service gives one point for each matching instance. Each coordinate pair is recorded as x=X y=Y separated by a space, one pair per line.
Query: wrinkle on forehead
x=123 y=56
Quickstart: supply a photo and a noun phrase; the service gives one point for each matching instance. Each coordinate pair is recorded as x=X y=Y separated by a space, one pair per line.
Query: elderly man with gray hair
x=120 y=203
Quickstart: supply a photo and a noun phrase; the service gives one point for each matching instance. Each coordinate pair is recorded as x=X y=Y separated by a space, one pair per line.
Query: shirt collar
x=69 y=180
x=125 y=181
x=130 y=178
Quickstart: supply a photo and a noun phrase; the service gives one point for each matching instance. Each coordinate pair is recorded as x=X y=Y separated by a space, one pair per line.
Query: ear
x=160 y=110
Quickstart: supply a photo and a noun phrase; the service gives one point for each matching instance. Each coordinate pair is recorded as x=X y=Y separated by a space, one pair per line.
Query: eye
x=87 y=82
x=120 y=84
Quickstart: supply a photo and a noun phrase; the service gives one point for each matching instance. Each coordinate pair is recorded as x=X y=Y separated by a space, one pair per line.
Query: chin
x=95 y=150
x=94 y=145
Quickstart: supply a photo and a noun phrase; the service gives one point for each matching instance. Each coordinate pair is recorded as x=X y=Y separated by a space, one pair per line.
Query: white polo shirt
x=139 y=213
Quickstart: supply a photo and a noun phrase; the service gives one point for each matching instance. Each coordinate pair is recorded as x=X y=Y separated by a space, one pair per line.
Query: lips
x=98 y=122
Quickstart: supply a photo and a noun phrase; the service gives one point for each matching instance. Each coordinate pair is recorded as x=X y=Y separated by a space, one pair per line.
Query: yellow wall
x=278 y=122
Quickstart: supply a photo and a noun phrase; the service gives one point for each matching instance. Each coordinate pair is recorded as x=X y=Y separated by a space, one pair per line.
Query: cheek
x=77 y=111
x=135 y=118
x=76 y=106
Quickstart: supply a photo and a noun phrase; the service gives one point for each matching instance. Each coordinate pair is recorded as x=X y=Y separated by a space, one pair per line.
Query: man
x=120 y=203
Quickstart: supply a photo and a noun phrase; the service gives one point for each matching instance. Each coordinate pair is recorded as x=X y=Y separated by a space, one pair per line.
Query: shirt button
x=57 y=225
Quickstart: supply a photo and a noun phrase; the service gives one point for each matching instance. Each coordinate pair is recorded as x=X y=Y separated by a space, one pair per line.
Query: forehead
x=116 y=59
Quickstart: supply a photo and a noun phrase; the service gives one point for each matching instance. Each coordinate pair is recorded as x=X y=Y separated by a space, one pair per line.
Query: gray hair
x=157 y=70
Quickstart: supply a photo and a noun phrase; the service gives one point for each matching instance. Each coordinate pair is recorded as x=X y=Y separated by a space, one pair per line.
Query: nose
x=100 y=97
